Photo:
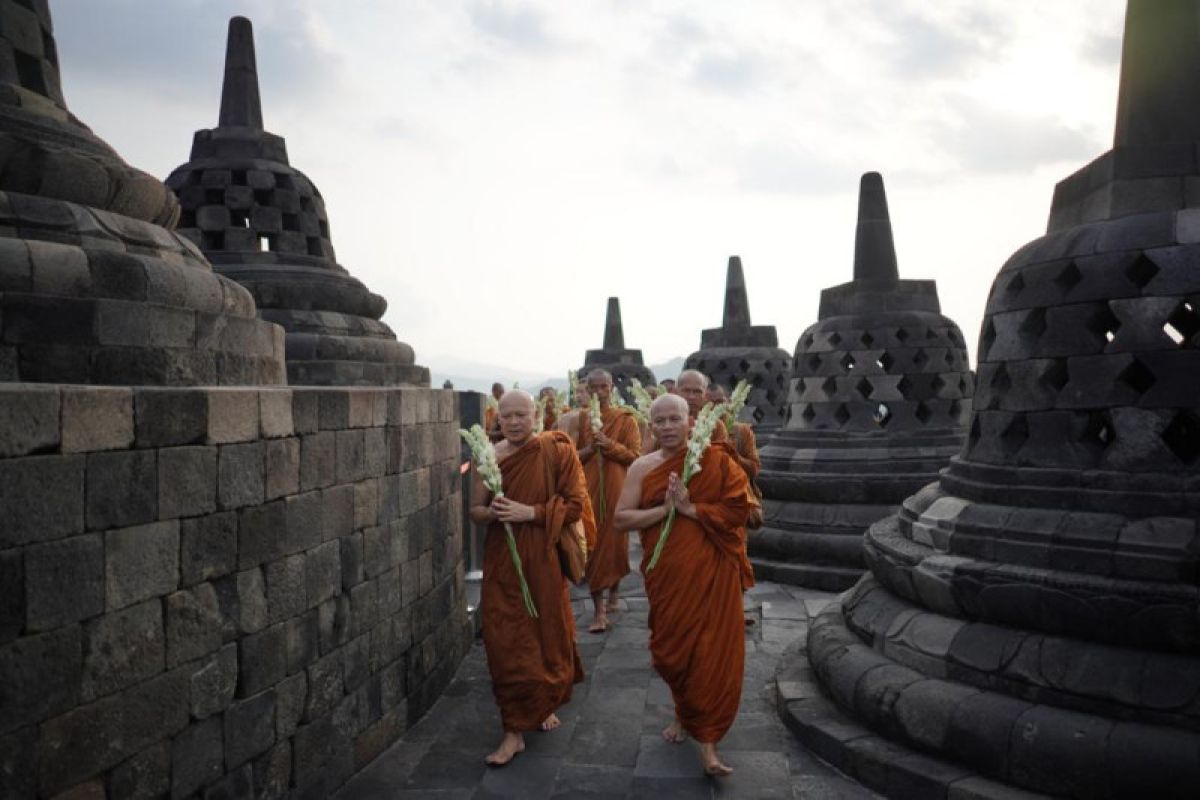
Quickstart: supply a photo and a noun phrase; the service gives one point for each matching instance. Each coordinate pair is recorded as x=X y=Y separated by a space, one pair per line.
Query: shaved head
x=599 y=375
x=691 y=386
x=689 y=375
x=673 y=401
x=514 y=397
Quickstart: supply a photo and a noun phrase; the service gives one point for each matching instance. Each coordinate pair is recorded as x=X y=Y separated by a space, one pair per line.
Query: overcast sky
x=496 y=169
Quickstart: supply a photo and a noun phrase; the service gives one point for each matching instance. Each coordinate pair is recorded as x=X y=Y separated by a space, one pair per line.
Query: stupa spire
x=1160 y=74
x=241 y=105
x=737 y=304
x=874 y=250
x=614 y=334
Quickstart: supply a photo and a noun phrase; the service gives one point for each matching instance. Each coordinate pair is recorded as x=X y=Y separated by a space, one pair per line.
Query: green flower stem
x=600 y=463
x=662 y=538
x=530 y=608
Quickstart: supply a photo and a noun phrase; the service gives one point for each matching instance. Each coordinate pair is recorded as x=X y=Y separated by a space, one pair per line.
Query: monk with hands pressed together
x=697 y=635
x=533 y=661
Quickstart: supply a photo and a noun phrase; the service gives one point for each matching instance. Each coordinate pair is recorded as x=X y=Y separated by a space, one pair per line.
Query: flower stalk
x=597 y=422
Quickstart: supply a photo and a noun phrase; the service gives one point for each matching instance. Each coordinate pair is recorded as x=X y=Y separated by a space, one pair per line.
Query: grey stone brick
x=29 y=419
x=12 y=593
x=262 y=533
x=286 y=588
x=122 y=488
x=323 y=573
x=389 y=593
x=193 y=624
x=389 y=499
x=364 y=602
x=240 y=475
x=361 y=408
x=140 y=562
x=263 y=661
x=318 y=464
x=197 y=757
x=42 y=499
x=351 y=456
x=304 y=521
x=64 y=582
x=145 y=776
x=249 y=728
x=383 y=645
x=282 y=467
x=410 y=582
x=273 y=772
x=236 y=785
x=232 y=415
x=397 y=543
x=375 y=451
x=366 y=503
x=252 y=601
x=376 y=550
x=187 y=481
x=334 y=621
x=337 y=512
x=325 y=686
x=289 y=704
x=41 y=676
x=395 y=445
x=357 y=665
x=334 y=409
x=208 y=547
x=352 y=555
x=214 y=682
x=121 y=649
x=275 y=413
x=303 y=641
x=170 y=417
x=306 y=410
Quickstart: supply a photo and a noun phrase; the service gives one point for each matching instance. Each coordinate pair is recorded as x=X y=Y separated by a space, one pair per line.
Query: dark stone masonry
x=263 y=223
x=879 y=394
x=1032 y=616
x=740 y=351
x=623 y=363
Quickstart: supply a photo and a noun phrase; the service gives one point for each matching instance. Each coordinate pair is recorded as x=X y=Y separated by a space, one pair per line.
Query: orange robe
x=697 y=630
x=609 y=562
x=549 y=415
x=746 y=450
x=533 y=661
x=491 y=421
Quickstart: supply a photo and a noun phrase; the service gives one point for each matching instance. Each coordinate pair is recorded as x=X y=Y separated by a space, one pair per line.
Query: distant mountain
x=477 y=376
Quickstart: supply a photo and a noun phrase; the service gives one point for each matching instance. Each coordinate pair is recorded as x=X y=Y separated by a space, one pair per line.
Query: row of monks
x=622 y=477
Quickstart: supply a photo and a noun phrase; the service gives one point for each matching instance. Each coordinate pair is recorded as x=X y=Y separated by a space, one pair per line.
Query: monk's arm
x=748 y=453
x=628 y=516
x=723 y=514
x=626 y=445
x=481 y=510
x=572 y=485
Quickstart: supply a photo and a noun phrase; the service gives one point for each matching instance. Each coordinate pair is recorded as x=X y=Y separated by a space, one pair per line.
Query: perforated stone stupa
x=96 y=287
x=623 y=363
x=740 y=351
x=879 y=393
x=1033 y=616
x=263 y=223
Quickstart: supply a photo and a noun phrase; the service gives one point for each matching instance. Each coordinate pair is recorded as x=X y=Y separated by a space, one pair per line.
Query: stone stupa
x=96 y=288
x=263 y=223
x=739 y=351
x=623 y=363
x=1034 y=616
x=879 y=394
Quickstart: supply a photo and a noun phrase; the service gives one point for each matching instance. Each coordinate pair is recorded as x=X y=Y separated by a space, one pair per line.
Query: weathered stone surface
x=275 y=413
x=47 y=669
x=208 y=547
x=29 y=419
x=240 y=475
x=43 y=499
x=285 y=588
x=140 y=562
x=622 y=363
x=282 y=467
x=289 y=704
x=263 y=659
x=323 y=573
x=170 y=417
x=232 y=416
x=122 y=648
x=187 y=481
x=145 y=776
x=252 y=600
x=318 y=466
x=193 y=624
x=122 y=488
x=197 y=757
x=213 y=684
x=12 y=594
x=64 y=582
x=249 y=728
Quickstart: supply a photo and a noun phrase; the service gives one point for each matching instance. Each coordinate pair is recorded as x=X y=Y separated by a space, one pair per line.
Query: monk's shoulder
x=560 y=441
x=643 y=464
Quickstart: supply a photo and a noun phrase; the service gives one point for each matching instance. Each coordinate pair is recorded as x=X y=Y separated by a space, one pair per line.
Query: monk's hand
x=602 y=441
x=678 y=493
x=586 y=452
x=509 y=510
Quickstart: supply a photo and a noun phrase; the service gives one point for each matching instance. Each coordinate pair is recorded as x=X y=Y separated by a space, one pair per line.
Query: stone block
x=306 y=410
x=170 y=417
x=325 y=688
x=214 y=682
x=350 y=456
x=426 y=573
x=140 y=562
x=275 y=413
x=375 y=451
x=286 y=588
x=318 y=465
x=29 y=419
x=262 y=533
x=273 y=771
x=119 y=324
x=208 y=547
x=187 y=481
x=282 y=467
x=233 y=415
x=289 y=704
x=249 y=728
x=410 y=582
x=236 y=785
x=303 y=641
x=323 y=573
x=263 y=661
x=304 y=521
x=334 y=622
x=122 y=488
x=337 y=512
x=352 y=557
x=193 y=624
x=251 y=601
x=145 y=776
x=389 y=593
x=12 y=593
x=90 y=739
x=376 y=550
x=43 y=499
x=364 y=603
x=121 y=649
x=360 y=407
x=366 y=503
x=197 y=757
x=41 y=676
x=64 y=582
x=334 y=409
x=240 y=475
x=356 y=667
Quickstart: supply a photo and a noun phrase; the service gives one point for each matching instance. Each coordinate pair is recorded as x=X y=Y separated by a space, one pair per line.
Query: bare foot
x=614 y=602
x=674 y=733
x=510 y=745
x=599 y=623
x=550 y=723
x=713 y=766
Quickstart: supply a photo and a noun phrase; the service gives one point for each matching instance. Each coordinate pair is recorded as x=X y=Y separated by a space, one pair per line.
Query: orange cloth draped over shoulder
x=609 y=560
x=533 y=661
x=746 y=449
x=696 y=625
x=549 y=415
x=491 y=418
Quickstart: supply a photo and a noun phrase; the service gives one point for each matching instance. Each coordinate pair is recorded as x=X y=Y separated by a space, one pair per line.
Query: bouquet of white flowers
x=736 y=403
x=484 y=454
x=641 y=400
x=597 y=421
x=572 y=387
x=698 y=442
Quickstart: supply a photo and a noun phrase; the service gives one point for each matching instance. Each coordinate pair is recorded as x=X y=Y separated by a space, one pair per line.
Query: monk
x=491 y=414
x=696 y=630
x=533 y=661
x=608 y=451
x=568 y=421
x=548 y=399
x=745 y=449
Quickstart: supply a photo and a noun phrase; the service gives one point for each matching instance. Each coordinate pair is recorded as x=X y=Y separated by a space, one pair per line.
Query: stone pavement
x=609 y=744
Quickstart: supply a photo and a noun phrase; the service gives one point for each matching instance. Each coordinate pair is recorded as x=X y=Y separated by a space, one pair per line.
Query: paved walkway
x=609 y=745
